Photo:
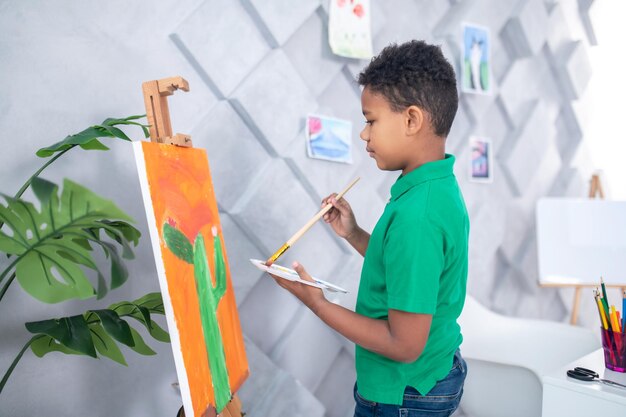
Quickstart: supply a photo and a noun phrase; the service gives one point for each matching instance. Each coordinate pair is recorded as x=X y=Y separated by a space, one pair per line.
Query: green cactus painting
x=209 y=296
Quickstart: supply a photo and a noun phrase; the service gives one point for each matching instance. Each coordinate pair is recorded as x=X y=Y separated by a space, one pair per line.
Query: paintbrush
x=307 y=226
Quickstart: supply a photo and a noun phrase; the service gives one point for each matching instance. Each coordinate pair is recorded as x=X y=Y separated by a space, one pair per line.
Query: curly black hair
x=415 y=73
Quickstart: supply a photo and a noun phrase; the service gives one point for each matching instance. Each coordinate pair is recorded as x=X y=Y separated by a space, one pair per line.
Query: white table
x=567 y=397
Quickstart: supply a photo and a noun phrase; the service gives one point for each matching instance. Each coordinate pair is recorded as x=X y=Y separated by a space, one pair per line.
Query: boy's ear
x=414 y=120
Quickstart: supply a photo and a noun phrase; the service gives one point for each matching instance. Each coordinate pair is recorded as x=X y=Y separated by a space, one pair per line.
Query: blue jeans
x=441 y=401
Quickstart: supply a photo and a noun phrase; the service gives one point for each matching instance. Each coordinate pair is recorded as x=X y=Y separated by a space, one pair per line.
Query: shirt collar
x=429 y=171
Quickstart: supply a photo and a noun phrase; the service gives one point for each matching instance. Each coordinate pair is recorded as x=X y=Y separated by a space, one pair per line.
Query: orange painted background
x=182 y=194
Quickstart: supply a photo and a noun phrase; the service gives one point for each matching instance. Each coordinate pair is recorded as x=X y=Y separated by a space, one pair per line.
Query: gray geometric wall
x=256 y=68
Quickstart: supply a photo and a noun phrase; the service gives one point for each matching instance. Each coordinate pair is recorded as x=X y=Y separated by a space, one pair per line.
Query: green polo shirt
x=416 y=261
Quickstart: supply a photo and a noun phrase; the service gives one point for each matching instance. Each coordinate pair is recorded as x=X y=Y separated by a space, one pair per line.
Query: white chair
x=508 y=356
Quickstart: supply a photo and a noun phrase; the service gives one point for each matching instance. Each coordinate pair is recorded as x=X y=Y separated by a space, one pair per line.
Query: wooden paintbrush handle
x=308 y=225
x=319 y=215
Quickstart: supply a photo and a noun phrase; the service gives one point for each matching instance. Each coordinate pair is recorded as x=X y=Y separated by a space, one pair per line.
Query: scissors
x=584 y=374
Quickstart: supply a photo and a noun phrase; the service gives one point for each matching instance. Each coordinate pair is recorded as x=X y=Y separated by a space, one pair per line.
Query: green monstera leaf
x=140 y=310
x=88 y=138
x=98 y=332
x=50 y=246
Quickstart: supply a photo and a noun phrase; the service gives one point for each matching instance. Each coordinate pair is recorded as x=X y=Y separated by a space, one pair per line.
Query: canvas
x=193 y=273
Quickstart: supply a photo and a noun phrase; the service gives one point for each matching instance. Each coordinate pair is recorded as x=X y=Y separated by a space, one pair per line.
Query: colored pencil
x=601 y=312
x=624 y=312
x=616 y=329
x=613 y=317
x=605 y=305
x=610 y=341
x=605 y=297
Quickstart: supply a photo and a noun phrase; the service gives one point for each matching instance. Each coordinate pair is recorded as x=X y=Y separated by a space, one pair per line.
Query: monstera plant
x=49 y=252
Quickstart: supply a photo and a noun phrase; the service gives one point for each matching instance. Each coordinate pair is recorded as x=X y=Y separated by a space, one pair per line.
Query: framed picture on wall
x=481 y=159
x=329 y=138
x=350 y=28
x=476 y=65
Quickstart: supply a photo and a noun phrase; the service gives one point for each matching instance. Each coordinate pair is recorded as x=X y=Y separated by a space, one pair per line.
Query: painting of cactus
x=194 y=275
x=209 y=296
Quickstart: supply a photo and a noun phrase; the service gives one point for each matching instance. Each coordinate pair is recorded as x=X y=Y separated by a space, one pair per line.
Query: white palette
x=292 y=275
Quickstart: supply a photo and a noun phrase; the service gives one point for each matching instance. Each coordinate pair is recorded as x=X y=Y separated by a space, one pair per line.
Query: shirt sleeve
x=413 y=258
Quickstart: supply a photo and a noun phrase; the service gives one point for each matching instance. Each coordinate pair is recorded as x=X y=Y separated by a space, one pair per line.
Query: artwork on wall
x=476 y=65
x=193 y=273
x=349 y=28
x=329 y=138
x=481 y=163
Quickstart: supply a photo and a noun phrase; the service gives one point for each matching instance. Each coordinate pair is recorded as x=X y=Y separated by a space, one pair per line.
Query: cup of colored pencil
x=613 y=329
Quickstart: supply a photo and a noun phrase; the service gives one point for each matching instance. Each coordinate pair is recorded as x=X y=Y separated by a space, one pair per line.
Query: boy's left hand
x=307 y=294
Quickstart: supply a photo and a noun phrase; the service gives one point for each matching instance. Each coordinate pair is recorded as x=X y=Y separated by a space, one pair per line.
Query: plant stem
x=8 y=268
x=27 y=183
x=6 y=286
x=17 y=359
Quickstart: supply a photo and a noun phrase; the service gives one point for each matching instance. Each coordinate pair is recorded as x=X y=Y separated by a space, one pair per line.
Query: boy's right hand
x=340 y=216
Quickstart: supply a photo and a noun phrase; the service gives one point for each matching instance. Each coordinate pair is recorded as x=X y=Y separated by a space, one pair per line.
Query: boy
x=412 y=286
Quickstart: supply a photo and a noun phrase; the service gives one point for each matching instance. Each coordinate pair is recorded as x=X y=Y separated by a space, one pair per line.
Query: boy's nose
x=364 y=135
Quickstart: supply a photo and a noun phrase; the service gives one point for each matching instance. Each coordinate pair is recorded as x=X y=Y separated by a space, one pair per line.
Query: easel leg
x=574 y=317
x=233 y=409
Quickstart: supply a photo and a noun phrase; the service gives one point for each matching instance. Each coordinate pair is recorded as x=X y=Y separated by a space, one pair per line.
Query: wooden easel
x=595 y=187
x=155 y=95
x=155 y=98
